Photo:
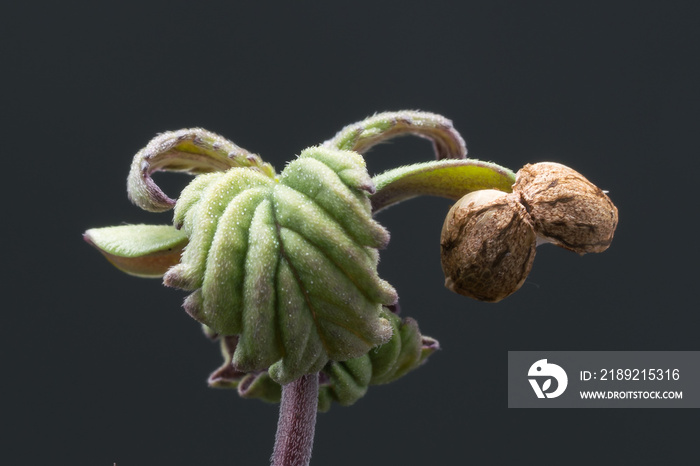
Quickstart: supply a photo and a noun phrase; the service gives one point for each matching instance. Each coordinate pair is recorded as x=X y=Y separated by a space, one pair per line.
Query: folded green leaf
x=445 y=178
x=289 y=265
x=141 y=250
x=341 y=382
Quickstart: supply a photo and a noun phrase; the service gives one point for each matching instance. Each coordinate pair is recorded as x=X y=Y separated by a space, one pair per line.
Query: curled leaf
x=192 y=151
x=445 y=178
x=140 y=250
x=361 y=136
x=288 y=265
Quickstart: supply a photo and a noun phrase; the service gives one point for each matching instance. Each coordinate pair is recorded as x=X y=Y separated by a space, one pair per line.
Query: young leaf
x=341 y=382
x=289 y=265
x=140 y=250
x=192 y=151
x=363 y=135
x=445 y=178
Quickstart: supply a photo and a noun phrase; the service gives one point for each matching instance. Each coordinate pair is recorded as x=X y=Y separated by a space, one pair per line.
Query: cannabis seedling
x=282 y=268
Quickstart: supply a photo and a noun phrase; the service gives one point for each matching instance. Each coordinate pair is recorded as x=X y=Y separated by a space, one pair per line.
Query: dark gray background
x=100 y=367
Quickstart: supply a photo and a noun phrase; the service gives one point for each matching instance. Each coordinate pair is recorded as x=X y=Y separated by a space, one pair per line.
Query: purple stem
x=297 y=422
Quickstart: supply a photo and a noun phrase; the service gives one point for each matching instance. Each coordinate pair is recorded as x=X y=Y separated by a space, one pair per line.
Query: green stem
x=297 y=422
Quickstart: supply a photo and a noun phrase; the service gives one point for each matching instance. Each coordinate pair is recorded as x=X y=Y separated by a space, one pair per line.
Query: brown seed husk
x=566 y=208
x=487 y=245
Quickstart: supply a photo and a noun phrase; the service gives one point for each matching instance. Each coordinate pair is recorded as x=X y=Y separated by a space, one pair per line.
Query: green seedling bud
x=282 y=269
